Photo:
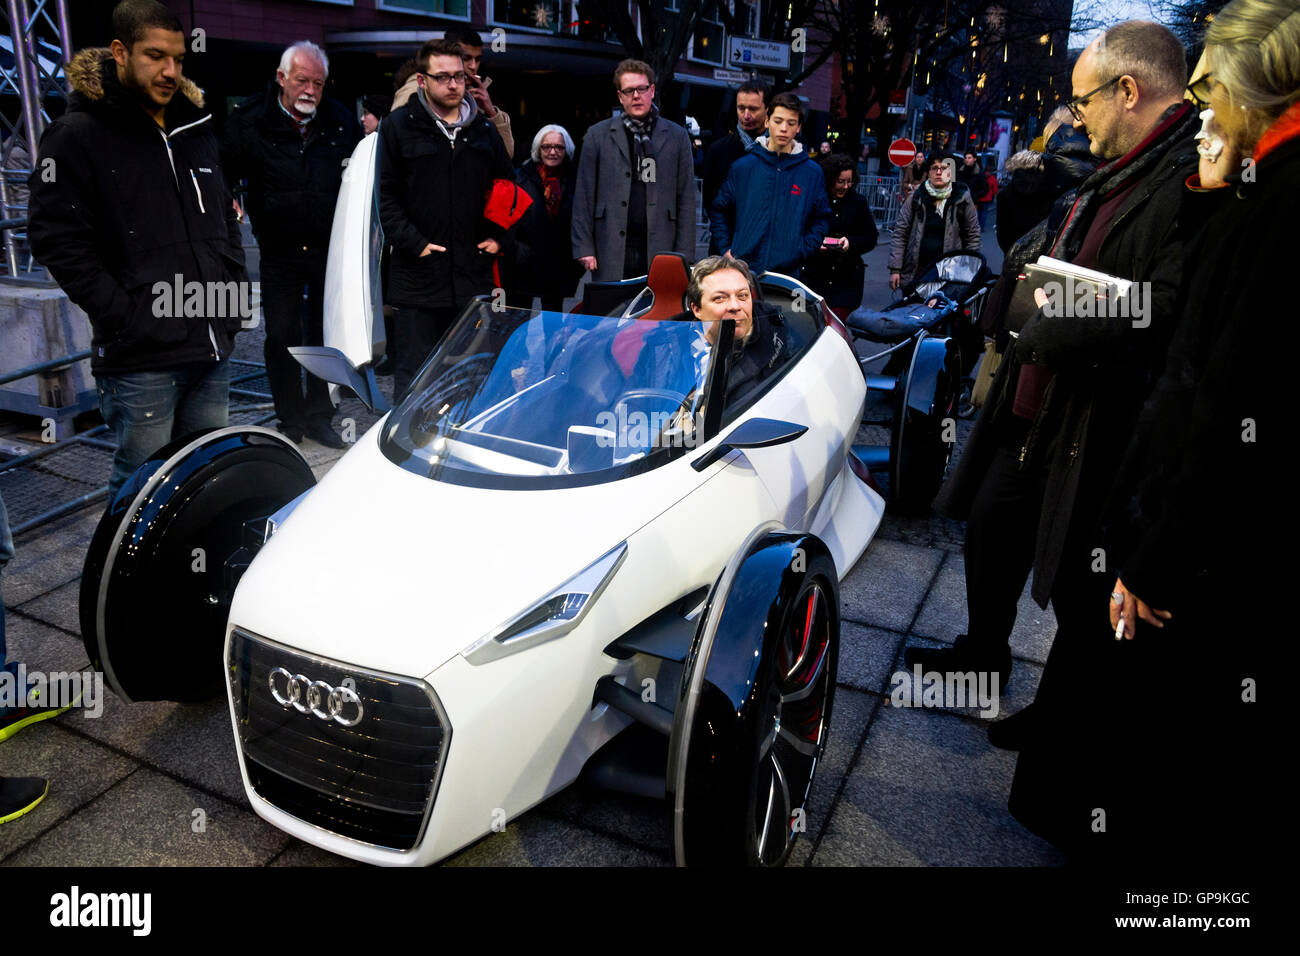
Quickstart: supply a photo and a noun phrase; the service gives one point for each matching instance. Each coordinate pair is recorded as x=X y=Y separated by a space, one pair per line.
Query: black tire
x=157 y=582
x=763 y=715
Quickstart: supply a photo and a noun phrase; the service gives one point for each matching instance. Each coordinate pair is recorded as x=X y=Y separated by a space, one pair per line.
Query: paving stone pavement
x=158 y=784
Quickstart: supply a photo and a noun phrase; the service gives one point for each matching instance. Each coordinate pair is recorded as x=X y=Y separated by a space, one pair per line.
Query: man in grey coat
x=635 y=192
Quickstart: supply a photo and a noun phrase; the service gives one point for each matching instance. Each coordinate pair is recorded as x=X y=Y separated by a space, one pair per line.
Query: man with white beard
x=291 y=147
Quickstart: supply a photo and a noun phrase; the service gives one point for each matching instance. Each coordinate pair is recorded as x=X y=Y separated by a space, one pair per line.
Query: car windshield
x=528 y=399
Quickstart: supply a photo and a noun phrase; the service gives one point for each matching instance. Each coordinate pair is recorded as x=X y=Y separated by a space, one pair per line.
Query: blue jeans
x=146 y=410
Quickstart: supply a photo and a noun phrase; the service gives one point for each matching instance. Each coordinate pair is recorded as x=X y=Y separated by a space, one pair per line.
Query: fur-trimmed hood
x=86 y=76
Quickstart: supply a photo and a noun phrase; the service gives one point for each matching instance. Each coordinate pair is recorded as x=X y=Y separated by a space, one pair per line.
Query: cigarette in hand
x=1119 y=630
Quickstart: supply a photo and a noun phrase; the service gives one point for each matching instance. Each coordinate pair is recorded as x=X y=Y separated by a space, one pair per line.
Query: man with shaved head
x=1040 y=462
x=291 y=145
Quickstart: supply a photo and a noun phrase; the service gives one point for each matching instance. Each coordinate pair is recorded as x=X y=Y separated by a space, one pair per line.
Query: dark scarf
x=641 y=129
x=1180 y=122
x=552 y=189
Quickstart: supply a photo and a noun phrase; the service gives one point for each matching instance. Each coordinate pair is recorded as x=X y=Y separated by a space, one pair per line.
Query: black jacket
x=1103 y=368
x=839 y=275
x=974 y=179
x=293 y=183
x=1038 y=179
x=1201 y=484
x=717 y=163
x=432 y=192
x=122 y=212
x=543 y=264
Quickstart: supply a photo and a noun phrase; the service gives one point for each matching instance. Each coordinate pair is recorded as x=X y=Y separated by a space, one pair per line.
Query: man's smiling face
x=725 y=294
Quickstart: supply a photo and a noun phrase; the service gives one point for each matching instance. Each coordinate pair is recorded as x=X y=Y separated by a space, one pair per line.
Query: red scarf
x=552 y=189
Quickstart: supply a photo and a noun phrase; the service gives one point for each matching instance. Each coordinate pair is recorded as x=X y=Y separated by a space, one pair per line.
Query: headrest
x=668 y=279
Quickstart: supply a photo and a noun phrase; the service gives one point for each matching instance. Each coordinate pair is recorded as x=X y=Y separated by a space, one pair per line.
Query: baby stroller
x=930 y=339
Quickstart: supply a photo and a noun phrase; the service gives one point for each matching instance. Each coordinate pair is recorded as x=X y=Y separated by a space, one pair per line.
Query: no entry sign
x=901 y=152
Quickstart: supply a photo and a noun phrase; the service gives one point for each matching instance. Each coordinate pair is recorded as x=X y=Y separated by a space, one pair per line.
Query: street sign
x=897 y=103
x=901 y=152
x=763 y=54
x=730 y=76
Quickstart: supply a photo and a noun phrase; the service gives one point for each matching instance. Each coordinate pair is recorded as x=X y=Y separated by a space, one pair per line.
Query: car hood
x=385 y=569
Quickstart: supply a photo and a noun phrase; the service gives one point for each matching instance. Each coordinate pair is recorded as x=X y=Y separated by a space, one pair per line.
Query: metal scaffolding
x=34 y=53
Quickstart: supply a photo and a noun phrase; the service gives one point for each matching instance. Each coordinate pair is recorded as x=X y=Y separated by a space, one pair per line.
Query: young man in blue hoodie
x=772 y=210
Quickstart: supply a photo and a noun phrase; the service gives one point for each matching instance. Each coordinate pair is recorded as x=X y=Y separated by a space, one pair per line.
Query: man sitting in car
x=722 y=288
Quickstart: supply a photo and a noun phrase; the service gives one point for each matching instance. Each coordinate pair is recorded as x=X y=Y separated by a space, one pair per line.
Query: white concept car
x=560 y=554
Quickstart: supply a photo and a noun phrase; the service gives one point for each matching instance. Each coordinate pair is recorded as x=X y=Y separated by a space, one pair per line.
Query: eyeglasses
x=634 y=91
x=549 y=148
x=1079 y=103
x=1200 y=89
x=442 y=79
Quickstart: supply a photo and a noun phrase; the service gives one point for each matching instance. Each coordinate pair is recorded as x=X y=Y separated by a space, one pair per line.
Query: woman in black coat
x=837 y=270
x=543 y=264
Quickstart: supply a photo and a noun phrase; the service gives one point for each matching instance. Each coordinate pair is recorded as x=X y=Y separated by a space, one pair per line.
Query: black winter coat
x=974 y=179
x=1201 y=487
x=717 y=163
x=1036 y=184
x=430 y=191
x=117 y=206
x=543 y=264
x=293 y=183
x=839 y=275
x=1103 y=368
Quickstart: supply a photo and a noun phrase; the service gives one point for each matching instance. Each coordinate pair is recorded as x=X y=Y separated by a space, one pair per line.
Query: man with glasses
x=635 y=193
x=1040 y=462
x=438 y=157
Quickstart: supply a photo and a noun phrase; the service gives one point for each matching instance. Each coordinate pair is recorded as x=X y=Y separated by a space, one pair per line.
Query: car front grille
x=375 y=781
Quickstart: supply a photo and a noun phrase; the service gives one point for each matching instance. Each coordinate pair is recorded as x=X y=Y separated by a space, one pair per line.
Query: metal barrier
x=44 y=478
x=884 y=196
x=14 y=225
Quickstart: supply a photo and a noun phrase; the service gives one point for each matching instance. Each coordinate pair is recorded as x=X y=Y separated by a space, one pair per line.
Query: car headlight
x=554 y=615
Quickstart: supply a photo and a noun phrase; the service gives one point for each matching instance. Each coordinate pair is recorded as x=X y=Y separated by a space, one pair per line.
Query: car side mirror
x=331 y=365
x=590 y=448
x=755 y=433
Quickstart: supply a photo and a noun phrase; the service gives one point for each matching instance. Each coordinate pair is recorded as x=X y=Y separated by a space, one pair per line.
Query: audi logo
x=304 y=694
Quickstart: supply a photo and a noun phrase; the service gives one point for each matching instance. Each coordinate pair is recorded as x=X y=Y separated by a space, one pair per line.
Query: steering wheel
x=664 y=393
x=686 y=404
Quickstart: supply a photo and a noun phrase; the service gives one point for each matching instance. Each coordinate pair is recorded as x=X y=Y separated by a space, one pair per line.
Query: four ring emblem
x=340 y=704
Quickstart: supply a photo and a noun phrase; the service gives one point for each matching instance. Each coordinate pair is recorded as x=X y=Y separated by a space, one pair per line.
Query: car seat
x=669 y=276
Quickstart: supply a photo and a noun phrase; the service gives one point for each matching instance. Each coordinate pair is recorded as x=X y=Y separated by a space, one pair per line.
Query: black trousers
x=417 y=332
x=1151 y=750
x=1000 y=534
x=289 y=323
